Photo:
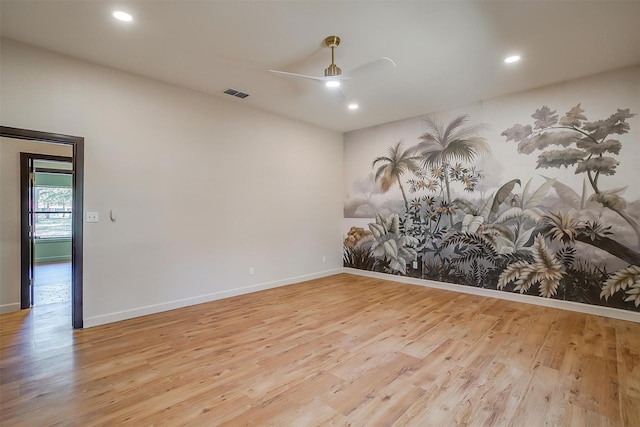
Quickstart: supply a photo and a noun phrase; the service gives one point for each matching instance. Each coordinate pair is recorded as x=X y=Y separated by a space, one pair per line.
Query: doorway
x=47 y=281
x=29 y=208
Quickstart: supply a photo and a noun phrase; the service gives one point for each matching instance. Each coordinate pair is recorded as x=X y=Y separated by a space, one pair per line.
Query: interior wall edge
x=596 y=310
x=104 y=319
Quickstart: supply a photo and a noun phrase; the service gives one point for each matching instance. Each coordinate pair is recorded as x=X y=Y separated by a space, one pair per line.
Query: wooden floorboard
x=344 y=350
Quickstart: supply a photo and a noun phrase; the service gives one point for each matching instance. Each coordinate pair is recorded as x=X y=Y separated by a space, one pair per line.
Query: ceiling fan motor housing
x=332 y=70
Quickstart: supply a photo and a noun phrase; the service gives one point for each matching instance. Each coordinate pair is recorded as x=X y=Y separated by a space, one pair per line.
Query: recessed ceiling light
x=512 y=59
x=122 y=16
x=332 y=83
x=353 y=106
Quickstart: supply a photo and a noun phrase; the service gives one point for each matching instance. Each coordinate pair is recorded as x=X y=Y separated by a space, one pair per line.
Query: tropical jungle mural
x=532 y=233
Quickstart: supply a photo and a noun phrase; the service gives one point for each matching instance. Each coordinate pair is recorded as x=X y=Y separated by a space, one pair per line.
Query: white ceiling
x=448 y=53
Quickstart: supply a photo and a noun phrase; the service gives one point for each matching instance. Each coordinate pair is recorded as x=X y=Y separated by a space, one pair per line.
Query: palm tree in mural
x=441 y=145
x=395 y=164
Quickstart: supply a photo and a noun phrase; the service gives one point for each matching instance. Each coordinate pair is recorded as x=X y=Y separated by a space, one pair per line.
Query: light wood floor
x=344 y=350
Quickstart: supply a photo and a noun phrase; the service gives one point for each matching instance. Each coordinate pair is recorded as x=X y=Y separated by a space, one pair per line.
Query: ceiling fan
x=333 y=74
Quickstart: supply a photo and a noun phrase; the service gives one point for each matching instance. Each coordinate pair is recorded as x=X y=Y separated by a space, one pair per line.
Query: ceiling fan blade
x=303 y=76
x=374 y=66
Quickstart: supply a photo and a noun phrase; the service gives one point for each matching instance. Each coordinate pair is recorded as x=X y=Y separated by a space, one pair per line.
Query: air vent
x=236 y=93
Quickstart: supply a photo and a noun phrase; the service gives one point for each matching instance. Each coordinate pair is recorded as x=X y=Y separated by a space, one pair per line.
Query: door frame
x=77 y=185
x=27 y=208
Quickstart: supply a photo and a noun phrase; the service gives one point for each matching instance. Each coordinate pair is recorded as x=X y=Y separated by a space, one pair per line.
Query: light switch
x=92 y=216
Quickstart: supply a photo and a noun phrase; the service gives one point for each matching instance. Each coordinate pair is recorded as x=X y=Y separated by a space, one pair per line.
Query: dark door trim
x=26 y=207
x=78 y=201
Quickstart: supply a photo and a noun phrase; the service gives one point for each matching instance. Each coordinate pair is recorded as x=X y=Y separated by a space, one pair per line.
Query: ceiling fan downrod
x=332 y=70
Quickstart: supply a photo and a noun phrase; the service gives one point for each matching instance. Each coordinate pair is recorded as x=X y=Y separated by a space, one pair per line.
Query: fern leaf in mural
x=585 y=145
x=627 y=279
x=512 y=273
x=473 y=240
x=566 y=256
x=547 y=267
x=546 y=271
x=528 y=279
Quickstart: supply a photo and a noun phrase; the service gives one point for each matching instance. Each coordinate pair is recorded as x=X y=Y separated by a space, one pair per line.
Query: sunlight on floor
x=52 y=283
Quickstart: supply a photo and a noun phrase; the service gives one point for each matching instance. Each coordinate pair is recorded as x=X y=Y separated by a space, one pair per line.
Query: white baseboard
x=527 y=299
x=172 y=305
x=7 y=308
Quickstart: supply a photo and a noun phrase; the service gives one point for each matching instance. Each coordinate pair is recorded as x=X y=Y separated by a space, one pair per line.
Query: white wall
x=203 y=188
x=10 y=213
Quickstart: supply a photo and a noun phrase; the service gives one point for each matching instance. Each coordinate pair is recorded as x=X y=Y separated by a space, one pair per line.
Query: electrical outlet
x=92 y=216
x=251 y=271
x=415 y=265
x=324 y=259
